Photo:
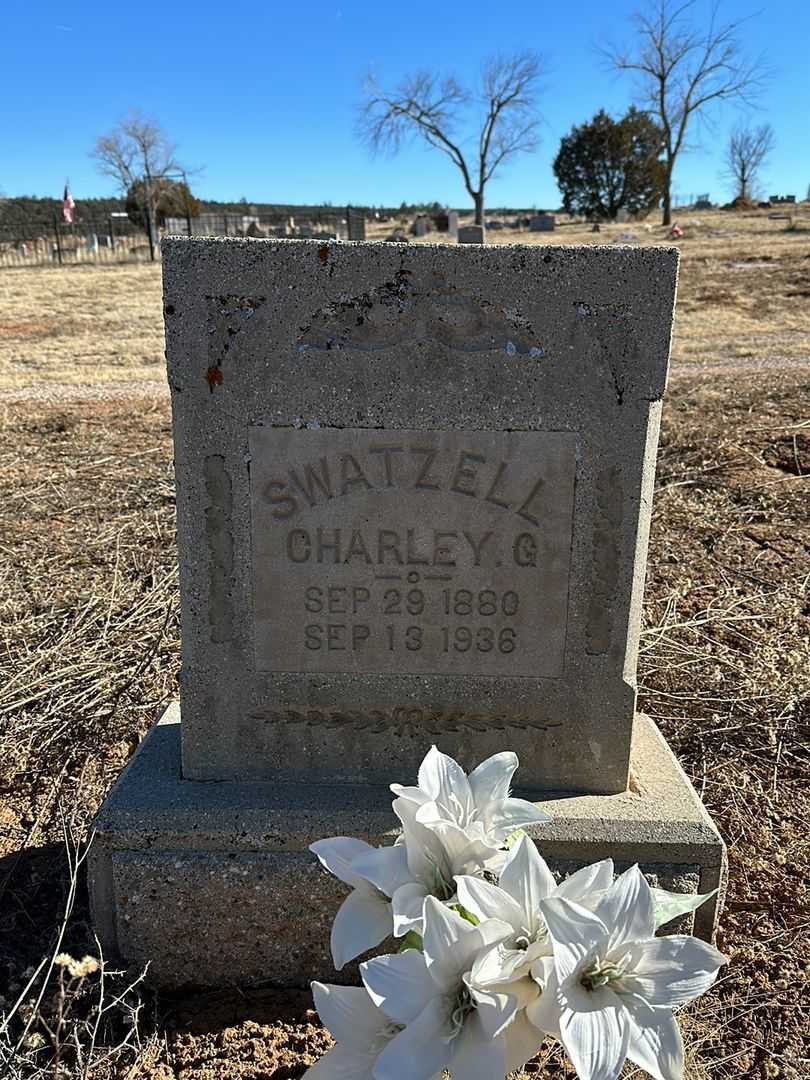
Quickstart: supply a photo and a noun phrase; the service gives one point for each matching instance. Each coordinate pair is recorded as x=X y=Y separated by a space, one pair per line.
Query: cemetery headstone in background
x=542 y=223
x=471 y=234
x=447 y=222
x=355 y=223
x=413 y=498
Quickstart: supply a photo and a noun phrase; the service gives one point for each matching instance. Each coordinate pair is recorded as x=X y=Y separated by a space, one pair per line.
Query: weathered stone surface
x=213 y=885
x=283 y=353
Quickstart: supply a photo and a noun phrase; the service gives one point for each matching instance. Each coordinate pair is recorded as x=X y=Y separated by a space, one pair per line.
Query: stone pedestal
x=212 y=882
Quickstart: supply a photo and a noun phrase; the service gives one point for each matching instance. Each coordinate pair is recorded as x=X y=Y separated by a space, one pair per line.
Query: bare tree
x=137 y=153
x=746 y=153
x=431 y=108
x=683 y=70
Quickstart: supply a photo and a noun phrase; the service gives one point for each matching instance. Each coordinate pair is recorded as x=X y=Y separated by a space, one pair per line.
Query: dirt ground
x=89 y=611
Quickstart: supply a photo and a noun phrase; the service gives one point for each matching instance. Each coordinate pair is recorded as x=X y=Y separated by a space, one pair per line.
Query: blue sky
x=263 y=96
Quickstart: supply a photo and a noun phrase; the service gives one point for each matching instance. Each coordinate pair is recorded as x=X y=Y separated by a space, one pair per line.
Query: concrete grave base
x=213 y=885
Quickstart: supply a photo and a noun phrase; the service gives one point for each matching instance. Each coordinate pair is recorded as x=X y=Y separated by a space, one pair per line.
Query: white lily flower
x=525 y=881
x=522 y=963
x=360 y=1028
x=365 y=918
x=479 y=803
x=447 y=1023
x=614 y=985
x=426 y=863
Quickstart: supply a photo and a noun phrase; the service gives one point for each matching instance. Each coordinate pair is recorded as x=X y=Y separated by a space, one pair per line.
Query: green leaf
x=462 y=911
x=670 y=905
x=412 y=940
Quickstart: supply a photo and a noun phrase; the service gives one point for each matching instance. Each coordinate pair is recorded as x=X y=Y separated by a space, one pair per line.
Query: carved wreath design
x=402 y=720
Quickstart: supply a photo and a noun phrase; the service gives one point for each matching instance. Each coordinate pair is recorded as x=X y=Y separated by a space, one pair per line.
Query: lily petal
x=490 y=781
x=385 y=867
x=364 y=919
x=407 y=907
x=445 y=781
x=423 y=847
x=504 y=971
x=400 y=984
x=421 y=1051
x=349 y=1014
x=575 y=932
x=486 y=901
x=411 y=794
x=527 y=878
x=451 y=944
x=627 y=908
x=669 y=971
x=341 y=1063
x=444 y=932
x=521 y=1042
x=514 y=814
x=337 y=853
x=544 y=1012
x=475 y=1054
x=495 y=1011
x=655 y=1042
x=589 y=881
x=595 y=1031
x=465 y=851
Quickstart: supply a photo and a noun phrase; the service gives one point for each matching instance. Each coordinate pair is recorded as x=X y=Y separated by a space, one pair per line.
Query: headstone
x=622 y=216
x=254 y=229
x=355 y=223
x=92 y=243
x=421 y=226
x=413 y=500
x=542 y=223
x=452 y=223
x=471 y=234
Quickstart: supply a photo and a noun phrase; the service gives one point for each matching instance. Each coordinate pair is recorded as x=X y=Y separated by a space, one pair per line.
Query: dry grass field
x=88 y=606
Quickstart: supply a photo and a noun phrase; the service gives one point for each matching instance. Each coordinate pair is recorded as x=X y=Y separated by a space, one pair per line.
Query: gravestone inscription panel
x=413 y=491
x=411 y=551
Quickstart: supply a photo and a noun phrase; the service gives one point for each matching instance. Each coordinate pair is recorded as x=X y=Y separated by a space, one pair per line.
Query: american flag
x=67 y=206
